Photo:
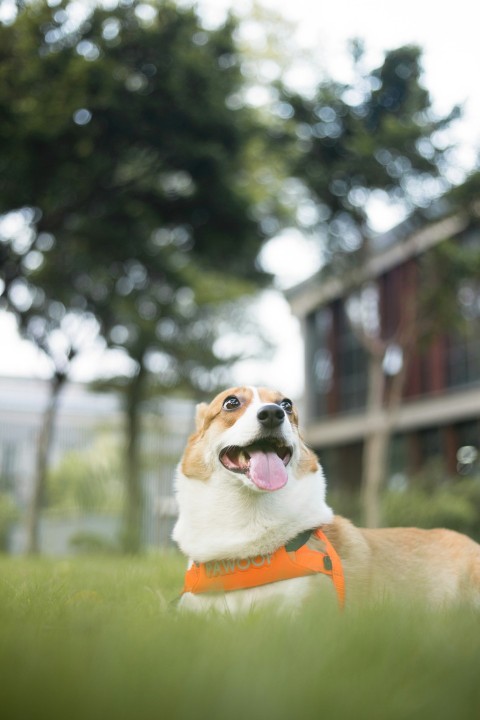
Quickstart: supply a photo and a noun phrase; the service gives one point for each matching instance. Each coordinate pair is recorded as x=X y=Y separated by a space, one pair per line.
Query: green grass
x=96 y=638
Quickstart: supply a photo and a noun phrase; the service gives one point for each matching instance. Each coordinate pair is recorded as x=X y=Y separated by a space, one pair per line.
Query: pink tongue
x=267 y=470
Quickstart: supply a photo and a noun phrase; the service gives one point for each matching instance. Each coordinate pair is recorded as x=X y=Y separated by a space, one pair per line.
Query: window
x=430 y=444
x=320 y=362
x=352 y=367
x=463 y=360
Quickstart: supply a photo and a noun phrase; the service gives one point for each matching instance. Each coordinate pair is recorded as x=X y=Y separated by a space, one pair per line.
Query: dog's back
x=442 y=567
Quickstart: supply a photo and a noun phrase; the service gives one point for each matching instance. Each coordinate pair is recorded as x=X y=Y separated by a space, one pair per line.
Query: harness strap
x=227 y=575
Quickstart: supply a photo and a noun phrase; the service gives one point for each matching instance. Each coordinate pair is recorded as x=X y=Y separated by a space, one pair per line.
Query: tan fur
x=209 y=418
x=201 y=411
x=308 y=462
x=193 y=461
x=441 y=566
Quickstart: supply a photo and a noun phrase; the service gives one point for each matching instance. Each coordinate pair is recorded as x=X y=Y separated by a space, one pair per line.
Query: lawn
x=97 y=638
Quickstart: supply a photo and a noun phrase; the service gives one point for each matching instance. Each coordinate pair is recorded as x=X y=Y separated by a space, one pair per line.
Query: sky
x=448 y=34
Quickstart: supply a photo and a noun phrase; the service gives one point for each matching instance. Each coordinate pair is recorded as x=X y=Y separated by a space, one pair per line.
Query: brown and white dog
x=247 y=484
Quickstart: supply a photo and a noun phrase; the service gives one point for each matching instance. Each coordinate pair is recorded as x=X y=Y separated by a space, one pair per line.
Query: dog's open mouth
x=265 y=463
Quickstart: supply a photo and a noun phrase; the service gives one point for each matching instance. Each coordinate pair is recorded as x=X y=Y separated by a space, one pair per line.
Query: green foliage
x=376 y=134
x=128 y=165
x=89 y=480
x=97 y=639
x=465 y=196
x=456 y=507
x=428 y=499
x=127 y=162
x=450 y=286
x=345 y=503
x=156 y=142
x=432 y=499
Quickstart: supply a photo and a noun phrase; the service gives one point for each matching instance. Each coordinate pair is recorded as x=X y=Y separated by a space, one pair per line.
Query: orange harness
x=226 y=575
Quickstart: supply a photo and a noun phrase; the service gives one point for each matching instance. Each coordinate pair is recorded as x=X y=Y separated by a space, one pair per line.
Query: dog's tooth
x=243 y=457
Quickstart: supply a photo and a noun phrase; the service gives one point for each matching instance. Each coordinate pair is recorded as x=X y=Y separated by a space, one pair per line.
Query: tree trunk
x=383 y=403
x=45 y=439
x=132 y=531
x=373 y=460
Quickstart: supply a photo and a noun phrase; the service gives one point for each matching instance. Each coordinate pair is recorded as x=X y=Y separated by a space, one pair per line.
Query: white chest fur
x=222 y=518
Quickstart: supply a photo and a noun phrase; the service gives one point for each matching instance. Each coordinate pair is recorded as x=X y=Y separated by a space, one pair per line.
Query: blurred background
x=197 y=195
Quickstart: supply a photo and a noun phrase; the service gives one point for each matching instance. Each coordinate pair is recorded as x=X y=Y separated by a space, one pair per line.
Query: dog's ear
x=200 y=415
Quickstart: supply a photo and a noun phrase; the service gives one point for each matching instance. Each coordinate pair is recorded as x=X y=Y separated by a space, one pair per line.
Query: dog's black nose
x=271 y=416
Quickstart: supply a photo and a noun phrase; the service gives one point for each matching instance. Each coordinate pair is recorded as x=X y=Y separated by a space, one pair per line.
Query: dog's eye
x=231 y=403
x=287 y=405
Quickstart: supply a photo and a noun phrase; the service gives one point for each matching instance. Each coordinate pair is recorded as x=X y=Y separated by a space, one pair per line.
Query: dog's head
x=248 y=435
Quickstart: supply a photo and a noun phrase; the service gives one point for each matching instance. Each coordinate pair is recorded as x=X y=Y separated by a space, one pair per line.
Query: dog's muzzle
x=264 y=462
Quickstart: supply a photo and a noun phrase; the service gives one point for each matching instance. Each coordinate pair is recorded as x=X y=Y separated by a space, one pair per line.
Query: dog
x=254 y=522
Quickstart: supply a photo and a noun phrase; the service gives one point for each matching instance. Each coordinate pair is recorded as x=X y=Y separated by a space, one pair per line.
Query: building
x=440 y=410
x=83 y=418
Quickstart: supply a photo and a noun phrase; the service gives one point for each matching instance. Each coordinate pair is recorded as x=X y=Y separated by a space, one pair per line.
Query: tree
x=352 y=142
x=442 y=291
x=61 y=337
x=120 y=143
